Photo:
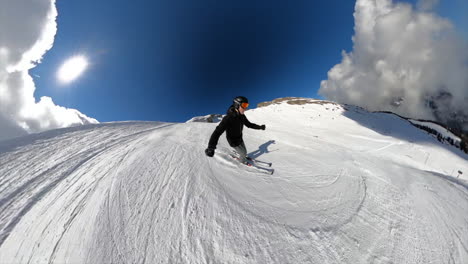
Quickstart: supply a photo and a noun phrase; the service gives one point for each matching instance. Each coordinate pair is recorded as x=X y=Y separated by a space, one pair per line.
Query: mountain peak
x=295 y=101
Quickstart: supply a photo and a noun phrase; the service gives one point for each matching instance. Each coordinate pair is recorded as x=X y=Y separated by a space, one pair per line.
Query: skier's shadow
x=262 y=149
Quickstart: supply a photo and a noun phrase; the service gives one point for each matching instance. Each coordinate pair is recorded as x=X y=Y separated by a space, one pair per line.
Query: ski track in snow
x=145 y=193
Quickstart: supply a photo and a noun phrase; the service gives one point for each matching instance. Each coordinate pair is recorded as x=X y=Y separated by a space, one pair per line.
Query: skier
x=233 y=123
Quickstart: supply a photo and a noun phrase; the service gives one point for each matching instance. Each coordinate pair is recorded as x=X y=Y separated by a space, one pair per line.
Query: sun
x=72 y=69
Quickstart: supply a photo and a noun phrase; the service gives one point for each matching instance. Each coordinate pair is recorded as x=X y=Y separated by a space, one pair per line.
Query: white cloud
x=27 y=32
x=403 y=60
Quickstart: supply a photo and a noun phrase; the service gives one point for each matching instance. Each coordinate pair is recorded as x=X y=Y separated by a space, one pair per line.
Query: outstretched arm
x=252 y=125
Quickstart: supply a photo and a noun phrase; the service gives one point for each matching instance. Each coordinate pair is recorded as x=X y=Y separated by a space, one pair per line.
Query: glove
x=262 y=127
x=209 y=152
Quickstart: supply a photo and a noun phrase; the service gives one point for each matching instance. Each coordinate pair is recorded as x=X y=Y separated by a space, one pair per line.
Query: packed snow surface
x=349 y=187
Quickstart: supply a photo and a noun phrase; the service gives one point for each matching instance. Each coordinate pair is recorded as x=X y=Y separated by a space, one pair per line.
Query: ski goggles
x=244 y=105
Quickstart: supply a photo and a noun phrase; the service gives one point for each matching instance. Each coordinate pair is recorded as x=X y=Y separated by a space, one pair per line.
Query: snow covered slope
x=349 y=187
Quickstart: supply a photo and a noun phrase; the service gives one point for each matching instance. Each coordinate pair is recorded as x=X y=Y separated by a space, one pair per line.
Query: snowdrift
x=349 y=187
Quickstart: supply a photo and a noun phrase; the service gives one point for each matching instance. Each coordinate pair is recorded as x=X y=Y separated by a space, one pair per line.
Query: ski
x=260 y=161
x=266 y=170
x=269 y=171
x=253 y=166
x=269 y=164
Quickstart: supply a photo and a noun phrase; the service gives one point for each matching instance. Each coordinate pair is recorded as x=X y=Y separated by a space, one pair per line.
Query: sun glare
x=72 y=69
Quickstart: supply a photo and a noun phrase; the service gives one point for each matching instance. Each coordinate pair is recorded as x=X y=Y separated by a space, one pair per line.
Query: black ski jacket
x=233 y=123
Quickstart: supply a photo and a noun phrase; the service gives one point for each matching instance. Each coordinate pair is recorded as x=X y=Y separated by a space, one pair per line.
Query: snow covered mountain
x=349 y=187
x=213 y=118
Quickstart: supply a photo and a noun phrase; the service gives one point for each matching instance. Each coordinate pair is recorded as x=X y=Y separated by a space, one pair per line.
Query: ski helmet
x=241 y=101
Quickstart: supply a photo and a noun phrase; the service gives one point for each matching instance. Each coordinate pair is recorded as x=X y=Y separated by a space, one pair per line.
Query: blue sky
x=168 y=61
